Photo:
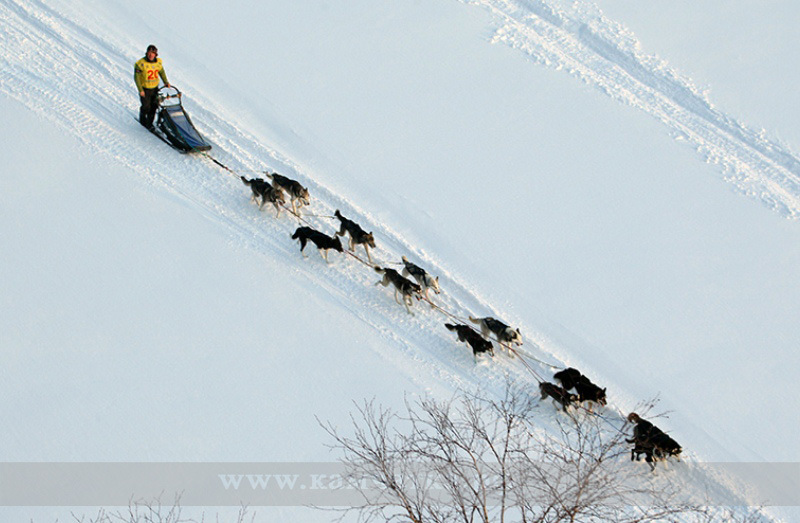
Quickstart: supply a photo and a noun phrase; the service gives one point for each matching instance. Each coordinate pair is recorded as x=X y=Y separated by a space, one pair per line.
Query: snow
x=746 y=71
x=151 y=313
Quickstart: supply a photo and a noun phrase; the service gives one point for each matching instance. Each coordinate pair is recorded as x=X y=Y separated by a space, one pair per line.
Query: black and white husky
x=358 y=236
x=403 y=286
x=262 y=189
x=297 y=193
x=476 y=342
x=323 y=242
x=503 y=332
x=425 y=280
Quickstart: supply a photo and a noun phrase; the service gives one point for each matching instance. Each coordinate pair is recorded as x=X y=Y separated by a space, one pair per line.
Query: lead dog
x=323 y=242
x=297 y=193
x=651 y=441
x=358 y=236
x=403 y=286
x=503 y=332
x=425 y=280
x=262 y=189
x=476 y=342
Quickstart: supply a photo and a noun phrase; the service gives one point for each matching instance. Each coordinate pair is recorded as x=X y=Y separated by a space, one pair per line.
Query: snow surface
x=151 y=313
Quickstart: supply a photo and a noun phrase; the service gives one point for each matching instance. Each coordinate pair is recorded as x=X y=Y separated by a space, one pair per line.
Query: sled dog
x=568 y=377
x=571 y=378
x=358 y=236
x=425 y=280
x=403 y=286
x=652 y=442
x=558 y=393
x=262 y=189
x=476 y=342
x=323 y=242
x=503 y=332
x=297 y=193
x=588 y=391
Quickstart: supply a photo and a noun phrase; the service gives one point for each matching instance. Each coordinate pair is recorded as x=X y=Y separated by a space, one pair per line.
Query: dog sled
x=174 y=125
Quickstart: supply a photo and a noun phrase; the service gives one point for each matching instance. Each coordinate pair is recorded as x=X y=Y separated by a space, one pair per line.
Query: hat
x=151 y=47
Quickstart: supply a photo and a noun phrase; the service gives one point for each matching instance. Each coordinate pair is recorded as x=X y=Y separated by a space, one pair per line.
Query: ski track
x=44 y=66
x=577 y=38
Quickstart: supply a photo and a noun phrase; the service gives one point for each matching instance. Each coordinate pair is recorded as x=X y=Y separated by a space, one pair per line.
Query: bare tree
x=144 y=511
x=475 y=459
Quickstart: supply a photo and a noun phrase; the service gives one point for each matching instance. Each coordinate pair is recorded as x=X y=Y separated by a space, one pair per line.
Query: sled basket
x=175 y=124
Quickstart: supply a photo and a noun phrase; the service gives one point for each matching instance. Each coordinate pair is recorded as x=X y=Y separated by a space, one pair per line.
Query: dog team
x=648 y=439
x=264 y=192
x=405 y=290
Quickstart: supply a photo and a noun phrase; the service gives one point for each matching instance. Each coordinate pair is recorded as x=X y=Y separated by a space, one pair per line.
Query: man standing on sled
x=146 y=73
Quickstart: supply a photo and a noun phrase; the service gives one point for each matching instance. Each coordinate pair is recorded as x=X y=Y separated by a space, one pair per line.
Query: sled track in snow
x=44 y=66
x=576 y=38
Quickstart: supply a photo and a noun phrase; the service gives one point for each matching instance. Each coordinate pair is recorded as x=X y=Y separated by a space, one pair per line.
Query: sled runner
x=174 y=123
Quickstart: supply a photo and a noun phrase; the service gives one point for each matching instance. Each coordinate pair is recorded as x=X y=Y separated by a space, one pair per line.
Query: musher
x=146 y=73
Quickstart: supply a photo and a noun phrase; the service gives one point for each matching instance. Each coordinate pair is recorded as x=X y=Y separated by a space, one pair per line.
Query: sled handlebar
x=166 y=95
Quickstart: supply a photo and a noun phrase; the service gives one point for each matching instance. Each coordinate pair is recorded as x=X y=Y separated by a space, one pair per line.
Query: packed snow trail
x=83 y=82
x=576 y=37
x=79 y=77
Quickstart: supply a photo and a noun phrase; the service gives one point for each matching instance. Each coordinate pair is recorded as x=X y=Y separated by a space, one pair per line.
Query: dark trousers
x=147 y=112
